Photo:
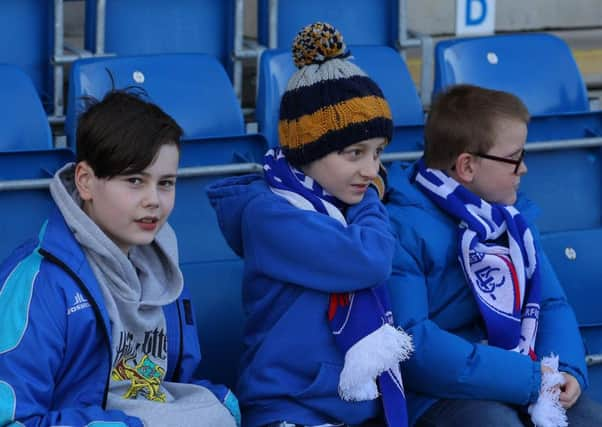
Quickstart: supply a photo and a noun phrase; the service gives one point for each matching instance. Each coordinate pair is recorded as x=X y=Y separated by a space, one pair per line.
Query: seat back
x=566 y=185
x=565 y=126
x=212 y=272
x=137 y=27
x=575 y=257
x=193 y=88
x=25 y=124
x=27 y=34
x=383 y=64
x=362 y=22
x=25 y=207
x=519 y=64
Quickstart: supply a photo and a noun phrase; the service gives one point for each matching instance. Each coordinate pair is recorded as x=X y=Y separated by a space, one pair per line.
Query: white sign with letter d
x=475 y=17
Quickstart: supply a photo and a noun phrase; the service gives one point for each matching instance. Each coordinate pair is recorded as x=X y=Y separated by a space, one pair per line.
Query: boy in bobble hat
x=319 y=346
x=497 y=343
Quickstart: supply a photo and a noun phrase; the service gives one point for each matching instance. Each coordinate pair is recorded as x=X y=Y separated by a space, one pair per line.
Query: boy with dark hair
x=320 y=349
x=496 y=342
x=96 y=323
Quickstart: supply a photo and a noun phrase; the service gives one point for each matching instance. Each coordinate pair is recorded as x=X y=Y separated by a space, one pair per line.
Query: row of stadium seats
x=195 y=89
x=29 y=29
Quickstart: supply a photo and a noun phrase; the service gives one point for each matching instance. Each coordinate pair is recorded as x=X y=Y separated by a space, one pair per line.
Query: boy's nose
x=370 y=168
x=151 y=197
x=522 y=169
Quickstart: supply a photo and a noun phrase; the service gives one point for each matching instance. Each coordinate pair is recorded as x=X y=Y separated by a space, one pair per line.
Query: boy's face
x=495 y=180
x=130 y=209
x=347 y=174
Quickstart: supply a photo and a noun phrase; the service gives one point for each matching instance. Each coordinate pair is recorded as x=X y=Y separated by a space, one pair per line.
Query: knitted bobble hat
x=329 y=103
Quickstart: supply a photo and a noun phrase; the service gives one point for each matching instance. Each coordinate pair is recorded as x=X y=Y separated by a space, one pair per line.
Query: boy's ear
x=465 y=167
x=84 y=177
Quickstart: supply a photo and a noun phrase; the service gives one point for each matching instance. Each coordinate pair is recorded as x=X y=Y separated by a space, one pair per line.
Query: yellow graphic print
x=145 y=378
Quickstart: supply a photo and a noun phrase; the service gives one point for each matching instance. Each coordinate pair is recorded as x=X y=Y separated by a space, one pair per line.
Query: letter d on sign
x=475 y=17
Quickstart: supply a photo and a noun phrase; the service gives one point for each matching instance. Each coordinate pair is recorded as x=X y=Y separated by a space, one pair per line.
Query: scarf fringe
x=377 y=352
x=547 y=411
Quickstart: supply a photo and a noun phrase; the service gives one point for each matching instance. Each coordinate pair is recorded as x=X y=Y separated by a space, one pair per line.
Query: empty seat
x=212 y=272
x=575 y=257
x=193 y=88
x=136 y=27
x=27 y=34
x=362 y=22
x=24 y=121
x=538 y=68
x=383 y=64
x=566 y=185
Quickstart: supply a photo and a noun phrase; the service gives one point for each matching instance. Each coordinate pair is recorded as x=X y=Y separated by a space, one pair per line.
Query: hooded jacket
x=55 y=338
x=432 y=301
x=293 y=260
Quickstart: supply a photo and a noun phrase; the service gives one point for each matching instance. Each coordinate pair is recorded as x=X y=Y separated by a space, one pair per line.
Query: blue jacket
x=432 y=301
x=55 y=350
x=293 y=260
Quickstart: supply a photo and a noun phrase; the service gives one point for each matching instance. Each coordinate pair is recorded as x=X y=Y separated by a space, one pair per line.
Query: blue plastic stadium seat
x=538 y=68
x=566 y=185
x=25 y=209
x=193 y=88
x=565 y=126
x=136 y=27
x=575 y=257
x=362 y=22
x=27 y=34
x=212 y=272
x=383 y=64
x=24 y=122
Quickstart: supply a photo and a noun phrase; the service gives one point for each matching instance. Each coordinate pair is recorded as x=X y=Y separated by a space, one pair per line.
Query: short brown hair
x=462 y=119
x=123 y=132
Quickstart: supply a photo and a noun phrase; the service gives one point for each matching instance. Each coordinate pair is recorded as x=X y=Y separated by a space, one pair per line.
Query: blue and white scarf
x=498 y=255
x=504 y=277
x=361 y=322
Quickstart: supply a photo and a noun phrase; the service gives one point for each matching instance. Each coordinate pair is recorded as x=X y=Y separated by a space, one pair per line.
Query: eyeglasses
x=515 y=162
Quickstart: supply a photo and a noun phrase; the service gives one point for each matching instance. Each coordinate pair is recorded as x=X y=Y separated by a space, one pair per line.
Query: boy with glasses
x=496 y=343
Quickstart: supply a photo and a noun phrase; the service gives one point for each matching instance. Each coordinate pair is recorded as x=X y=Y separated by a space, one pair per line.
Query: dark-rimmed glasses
x=515 y=162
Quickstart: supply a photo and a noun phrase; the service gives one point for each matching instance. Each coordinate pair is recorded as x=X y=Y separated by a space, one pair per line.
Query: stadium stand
x=25 y=124
x=565 y=180
x=193 y=88
x=26 y=31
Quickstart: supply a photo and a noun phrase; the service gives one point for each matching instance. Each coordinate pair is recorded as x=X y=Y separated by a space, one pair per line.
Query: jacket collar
x=59 y=246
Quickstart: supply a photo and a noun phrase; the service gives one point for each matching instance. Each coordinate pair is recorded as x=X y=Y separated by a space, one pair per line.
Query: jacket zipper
x=47 y=255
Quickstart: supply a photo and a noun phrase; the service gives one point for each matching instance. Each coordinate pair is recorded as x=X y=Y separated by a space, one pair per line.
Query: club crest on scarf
x=361 y=322
x=498 y=256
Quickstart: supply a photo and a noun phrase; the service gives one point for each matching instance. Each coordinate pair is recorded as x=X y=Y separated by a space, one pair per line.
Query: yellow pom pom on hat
x=329 y=103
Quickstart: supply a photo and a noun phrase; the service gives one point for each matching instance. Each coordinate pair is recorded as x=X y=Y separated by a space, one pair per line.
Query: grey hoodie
x=135 y=288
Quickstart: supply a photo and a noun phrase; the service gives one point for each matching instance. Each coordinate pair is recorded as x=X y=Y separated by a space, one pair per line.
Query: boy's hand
x=570 y=391
x=380 y=182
